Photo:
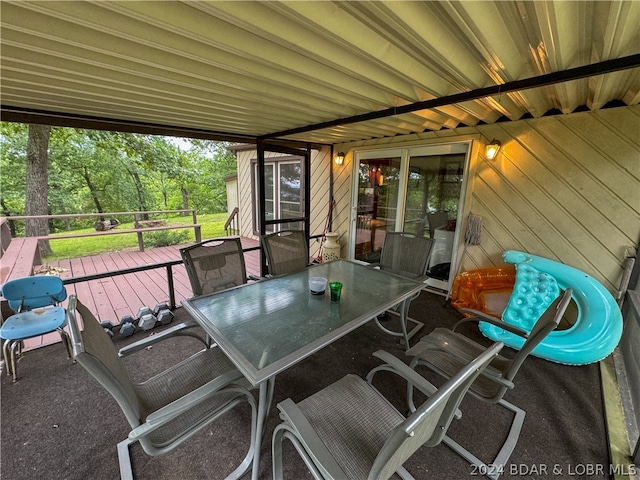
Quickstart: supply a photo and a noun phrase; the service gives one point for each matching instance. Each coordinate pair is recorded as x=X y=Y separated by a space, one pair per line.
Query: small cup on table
x=336 y=289
x=317 y=285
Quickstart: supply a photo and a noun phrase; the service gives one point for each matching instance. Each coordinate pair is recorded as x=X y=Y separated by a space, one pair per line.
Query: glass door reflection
x=434 y=185
x=377 y=206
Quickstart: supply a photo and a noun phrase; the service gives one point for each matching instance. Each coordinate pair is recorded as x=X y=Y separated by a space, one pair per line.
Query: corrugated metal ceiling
x=255 y=68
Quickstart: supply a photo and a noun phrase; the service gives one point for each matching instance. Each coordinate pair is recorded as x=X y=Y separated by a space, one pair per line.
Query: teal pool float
x=597 y=329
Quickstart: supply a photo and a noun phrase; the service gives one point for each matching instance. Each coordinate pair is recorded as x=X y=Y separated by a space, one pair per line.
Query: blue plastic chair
x=36 y=302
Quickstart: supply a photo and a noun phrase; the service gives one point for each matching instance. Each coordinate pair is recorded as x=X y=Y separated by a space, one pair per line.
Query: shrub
x=164 y=238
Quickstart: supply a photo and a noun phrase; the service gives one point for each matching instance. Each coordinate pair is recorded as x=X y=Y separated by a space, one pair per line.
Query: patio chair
x=214 y=265
x=170 y=407
x=36 y=302
x=287 y=251
x=407 y=255
x=349 y=430
x=444 y=351
x=436 y=219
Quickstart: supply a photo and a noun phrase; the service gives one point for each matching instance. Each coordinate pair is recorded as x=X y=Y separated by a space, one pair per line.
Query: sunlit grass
x=212 y=226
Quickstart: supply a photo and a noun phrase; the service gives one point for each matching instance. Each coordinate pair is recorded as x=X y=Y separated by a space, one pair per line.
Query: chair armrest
x=430 y=343
x=397 y=366
x=296 y=421
x=461 y=355
x=177 y=329
x=479 y=316
x=477 y=313
x=169 y=412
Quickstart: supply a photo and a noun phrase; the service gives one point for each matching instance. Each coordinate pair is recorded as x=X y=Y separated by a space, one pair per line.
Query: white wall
x=232 y=194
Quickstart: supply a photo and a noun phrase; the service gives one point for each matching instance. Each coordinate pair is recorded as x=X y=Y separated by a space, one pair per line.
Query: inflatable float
x=485 y=289
x=592 y=337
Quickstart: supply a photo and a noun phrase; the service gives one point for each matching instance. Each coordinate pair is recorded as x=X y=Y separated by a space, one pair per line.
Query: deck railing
x=141 y=221
x=231 y=226
x=168 y=265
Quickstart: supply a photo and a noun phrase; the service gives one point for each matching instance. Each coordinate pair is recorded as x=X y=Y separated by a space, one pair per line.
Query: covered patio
x=555 y=83
x=67 y=427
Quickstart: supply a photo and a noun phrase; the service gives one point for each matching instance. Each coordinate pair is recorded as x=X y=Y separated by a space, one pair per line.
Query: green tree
x=100 y=171
x=13 y=170
x=37 y=184
x=216 y=162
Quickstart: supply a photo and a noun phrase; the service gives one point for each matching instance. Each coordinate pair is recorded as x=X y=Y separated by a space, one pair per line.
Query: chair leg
x=65 y=339
x=279 y=434
x=496 y=467
x=17 y=345
x=406 y=336
x=124 y=459
x=276 y=452
x=5 y=355
x=246 y=464
x=414 y=330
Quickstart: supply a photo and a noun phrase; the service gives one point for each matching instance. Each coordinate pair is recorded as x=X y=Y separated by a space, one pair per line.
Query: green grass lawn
x=212 y=227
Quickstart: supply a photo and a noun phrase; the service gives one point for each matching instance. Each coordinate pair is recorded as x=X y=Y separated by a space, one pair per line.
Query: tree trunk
x=140 y=190
x=142 y=206
x=37 y=187
x=185 y=200
x=92 y=190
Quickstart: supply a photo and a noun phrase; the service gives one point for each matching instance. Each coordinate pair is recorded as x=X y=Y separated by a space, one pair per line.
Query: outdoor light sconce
x=491 y=150
x=339 y=158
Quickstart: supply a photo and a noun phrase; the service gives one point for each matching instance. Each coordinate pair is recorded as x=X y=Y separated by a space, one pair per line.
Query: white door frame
x=405 y=152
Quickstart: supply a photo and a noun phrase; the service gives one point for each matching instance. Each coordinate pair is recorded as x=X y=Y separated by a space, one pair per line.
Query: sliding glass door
x=417 y=190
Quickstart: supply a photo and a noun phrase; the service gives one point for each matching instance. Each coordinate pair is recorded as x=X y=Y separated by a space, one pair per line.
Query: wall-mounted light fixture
x=491 y=150
x=339 y=158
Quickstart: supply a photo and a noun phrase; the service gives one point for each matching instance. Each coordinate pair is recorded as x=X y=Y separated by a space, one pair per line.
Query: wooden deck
x=113 y=297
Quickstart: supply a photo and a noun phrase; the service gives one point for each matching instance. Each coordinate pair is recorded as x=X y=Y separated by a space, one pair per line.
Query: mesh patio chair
x=36 y=301
x=214 y=265
x=407 y=255
x=444 y=351
x=349 y=430
x=170 y=407
x=287 y=251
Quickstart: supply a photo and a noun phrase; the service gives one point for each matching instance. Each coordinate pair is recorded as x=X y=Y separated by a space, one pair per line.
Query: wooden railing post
x=140 y=241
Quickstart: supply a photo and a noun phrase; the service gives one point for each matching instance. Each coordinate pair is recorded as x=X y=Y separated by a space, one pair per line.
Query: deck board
x=111 y=298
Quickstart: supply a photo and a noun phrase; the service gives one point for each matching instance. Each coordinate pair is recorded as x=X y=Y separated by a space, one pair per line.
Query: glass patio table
x=267 y=326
